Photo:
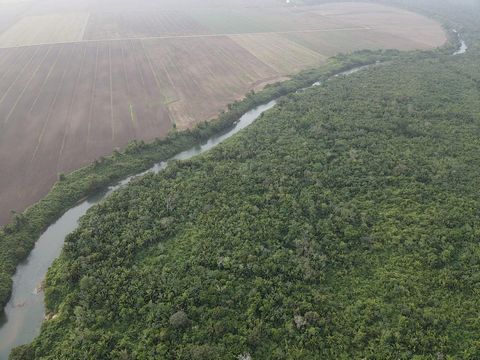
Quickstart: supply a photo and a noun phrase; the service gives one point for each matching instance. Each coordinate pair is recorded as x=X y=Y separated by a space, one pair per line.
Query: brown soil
x=63 y=105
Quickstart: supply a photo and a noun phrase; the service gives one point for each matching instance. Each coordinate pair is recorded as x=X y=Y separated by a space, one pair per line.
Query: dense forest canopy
x=343 y=224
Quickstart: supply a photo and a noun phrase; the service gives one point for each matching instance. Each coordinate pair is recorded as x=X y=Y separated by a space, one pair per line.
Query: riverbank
x=18 y=238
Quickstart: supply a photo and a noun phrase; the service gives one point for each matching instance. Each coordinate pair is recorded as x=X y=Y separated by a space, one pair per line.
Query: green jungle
x=342 y=224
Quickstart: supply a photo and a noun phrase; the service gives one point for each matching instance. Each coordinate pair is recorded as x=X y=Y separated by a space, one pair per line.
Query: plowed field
x=78 y=80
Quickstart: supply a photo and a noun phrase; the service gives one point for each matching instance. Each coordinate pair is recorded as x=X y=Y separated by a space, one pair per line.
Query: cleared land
x=33 y=30
x=142 y=24
x=76 y=84
x=283 y=55
x=199 y=76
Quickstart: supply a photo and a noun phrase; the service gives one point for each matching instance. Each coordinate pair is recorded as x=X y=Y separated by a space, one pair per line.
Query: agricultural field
x=79 y=80
x=271 y=49
x=53 y=28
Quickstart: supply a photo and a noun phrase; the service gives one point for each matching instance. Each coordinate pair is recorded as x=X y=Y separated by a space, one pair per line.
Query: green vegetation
x=18 y=238
x=343 y=224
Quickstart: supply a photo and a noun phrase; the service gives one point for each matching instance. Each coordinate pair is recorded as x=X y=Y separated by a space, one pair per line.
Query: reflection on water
x=25 y=311
x=463 y=48
x=463 y=45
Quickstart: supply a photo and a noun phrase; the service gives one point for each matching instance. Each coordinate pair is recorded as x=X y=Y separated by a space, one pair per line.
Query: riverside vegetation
x=342 y=224
x=18 y=238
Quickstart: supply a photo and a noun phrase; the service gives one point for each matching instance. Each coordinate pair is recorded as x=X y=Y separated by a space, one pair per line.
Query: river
x=25 y=312
x=463 y=45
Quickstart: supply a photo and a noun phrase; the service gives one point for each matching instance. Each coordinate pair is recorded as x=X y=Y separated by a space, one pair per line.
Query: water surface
x=463 y=45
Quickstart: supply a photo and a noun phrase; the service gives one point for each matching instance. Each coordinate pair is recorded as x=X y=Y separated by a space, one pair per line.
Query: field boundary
x=194 y=36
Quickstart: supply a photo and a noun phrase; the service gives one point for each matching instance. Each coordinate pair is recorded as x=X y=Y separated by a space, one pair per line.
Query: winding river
x=23 y=316
x=25 y=312
x=463 y=45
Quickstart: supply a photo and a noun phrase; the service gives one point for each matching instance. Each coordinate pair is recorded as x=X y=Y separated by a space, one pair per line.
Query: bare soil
x=67 y=98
